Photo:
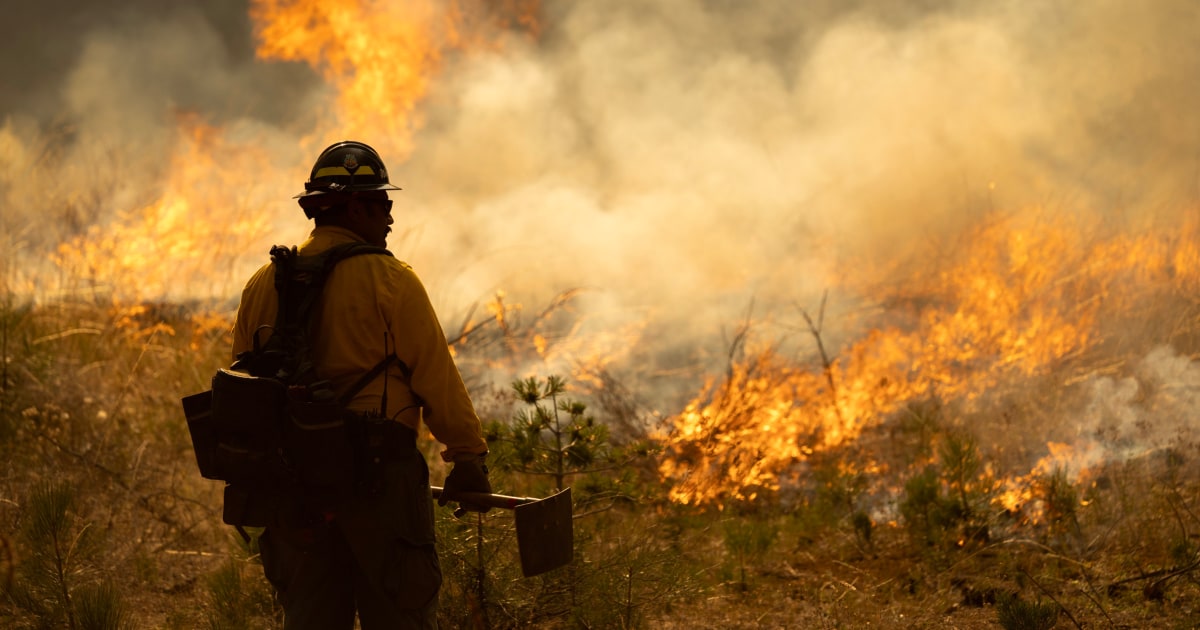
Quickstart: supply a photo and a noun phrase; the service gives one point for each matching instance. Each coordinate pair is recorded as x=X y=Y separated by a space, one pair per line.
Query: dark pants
x=376 y=556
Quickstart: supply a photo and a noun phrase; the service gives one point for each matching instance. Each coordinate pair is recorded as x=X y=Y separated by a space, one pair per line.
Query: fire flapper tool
x=545 y=534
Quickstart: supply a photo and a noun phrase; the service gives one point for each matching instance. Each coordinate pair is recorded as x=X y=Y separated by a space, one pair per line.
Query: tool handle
x=487 y=500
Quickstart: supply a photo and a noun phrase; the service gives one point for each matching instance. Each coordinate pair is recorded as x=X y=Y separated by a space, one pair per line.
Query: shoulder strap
x=299 y=280
x=299 y=283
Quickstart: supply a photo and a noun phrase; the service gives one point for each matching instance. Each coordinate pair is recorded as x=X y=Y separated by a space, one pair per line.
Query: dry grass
x=904 y=526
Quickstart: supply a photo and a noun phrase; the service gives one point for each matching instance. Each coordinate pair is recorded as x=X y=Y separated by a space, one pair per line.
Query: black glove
x=468 y=475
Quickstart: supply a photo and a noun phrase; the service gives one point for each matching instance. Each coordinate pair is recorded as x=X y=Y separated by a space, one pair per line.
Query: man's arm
x=421 y=345
x=257 y=307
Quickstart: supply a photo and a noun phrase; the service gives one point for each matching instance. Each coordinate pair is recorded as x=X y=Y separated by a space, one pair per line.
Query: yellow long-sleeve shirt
x=364 y=297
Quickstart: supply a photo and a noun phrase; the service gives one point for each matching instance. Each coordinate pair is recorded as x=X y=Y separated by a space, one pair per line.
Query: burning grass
x=975 y=457
x=986 y=326
x=1004 y=432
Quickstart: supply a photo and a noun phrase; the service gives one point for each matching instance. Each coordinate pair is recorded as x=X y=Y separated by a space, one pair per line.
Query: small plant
x=839 y=487
x=552 y=442
x=949 y=502
x=1060 y=501
x=100 y=607
x=922 y=507
x=1016 y=614
x=840 y=492
x=227 y=610
x=863 y=528
x=635 y=576
x=238 y=594
x=558 y=440
x=59 y=557
x=555 y=441
x=968 y=491
x=748 y=539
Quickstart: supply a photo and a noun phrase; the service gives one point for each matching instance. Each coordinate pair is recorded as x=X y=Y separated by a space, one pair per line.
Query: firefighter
x=374 y=554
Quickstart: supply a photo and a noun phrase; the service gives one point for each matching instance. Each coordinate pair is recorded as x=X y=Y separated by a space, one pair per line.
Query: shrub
x=238 y=594
x=950 y=503
x=552 y=442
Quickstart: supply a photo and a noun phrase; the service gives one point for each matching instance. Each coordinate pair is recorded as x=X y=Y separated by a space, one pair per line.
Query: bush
x=949 y=504
x=54 y=582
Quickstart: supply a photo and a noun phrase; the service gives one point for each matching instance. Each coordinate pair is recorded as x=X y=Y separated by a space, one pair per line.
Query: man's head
x=343 y=170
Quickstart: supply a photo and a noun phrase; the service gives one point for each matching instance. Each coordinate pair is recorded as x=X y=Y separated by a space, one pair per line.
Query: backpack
x=277 y=435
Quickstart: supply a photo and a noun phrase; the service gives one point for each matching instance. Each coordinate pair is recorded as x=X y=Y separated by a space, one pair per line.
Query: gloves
x=468 y=475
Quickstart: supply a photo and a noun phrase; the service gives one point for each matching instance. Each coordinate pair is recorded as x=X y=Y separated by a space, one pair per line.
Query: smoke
x=684 y=161
x=696 y=157
x=1137 y=415
x=85 y=64
x=104 y=98
x=100 y=91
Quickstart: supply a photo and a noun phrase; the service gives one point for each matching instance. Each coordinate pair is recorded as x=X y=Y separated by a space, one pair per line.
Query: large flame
x=204 y=219
x=379 y=56
x=1015 y=297
x=214 y=208
x=1012 y=300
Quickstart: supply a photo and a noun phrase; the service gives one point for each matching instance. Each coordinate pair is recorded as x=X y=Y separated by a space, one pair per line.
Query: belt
x=389 y=439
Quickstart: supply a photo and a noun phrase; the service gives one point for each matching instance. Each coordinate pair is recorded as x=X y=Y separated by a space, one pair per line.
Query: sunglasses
x=386 y=204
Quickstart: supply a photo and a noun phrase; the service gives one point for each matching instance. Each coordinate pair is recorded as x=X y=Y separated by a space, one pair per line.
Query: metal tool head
x=545 y=533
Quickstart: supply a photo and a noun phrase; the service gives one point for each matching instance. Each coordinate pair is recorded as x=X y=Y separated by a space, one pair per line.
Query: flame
x=1012 y=299
x=170 y=248
x=1021 y=294
x=558 y=340
x=1020 y=492
x=381 y=57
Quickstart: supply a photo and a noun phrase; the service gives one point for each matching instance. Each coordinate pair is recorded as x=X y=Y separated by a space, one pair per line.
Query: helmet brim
x=348 y=190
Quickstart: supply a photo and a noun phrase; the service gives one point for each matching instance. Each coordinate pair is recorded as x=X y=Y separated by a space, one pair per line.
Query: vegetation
x=792 y=493
x=549 y=444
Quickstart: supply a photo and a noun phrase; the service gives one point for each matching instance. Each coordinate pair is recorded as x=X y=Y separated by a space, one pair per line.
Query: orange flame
x=172 y=246
x=1022 y=294
x=380 y=56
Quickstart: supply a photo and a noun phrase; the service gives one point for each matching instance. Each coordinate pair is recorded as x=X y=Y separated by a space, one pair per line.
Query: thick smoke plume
x=686 y=161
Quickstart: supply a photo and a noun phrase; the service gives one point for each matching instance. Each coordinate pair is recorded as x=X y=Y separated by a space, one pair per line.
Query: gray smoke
x=688 y=158
x=1152 y=409
x=140 y=57
x=679 y=159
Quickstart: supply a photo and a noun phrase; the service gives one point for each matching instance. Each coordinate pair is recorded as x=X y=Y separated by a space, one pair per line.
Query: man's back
x=373 y=306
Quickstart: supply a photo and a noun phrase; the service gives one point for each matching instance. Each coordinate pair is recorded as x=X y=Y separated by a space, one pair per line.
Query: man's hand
x=467 y=475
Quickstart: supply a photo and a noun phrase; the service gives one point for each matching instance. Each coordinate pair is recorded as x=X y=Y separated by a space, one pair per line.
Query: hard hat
x=343 y=168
